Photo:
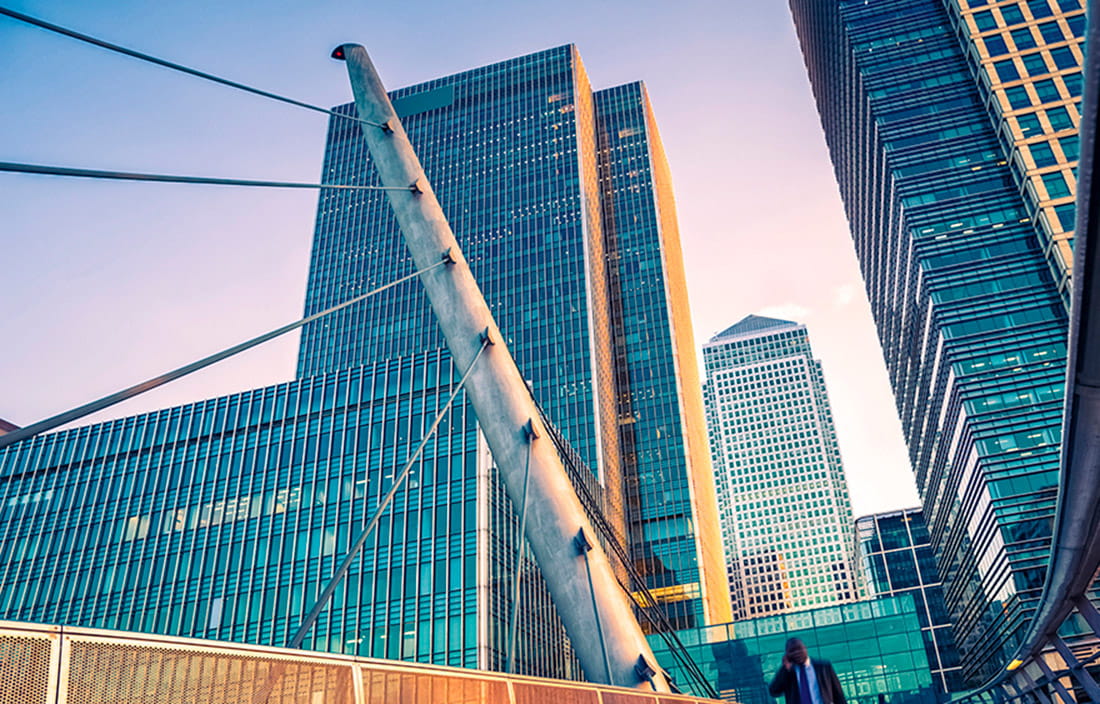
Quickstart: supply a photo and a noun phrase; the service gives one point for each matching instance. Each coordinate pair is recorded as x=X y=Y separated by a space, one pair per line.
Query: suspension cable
x=353 y=551
x=137 y=389
x=44 y=170
x=521 y=543
x=73 y=34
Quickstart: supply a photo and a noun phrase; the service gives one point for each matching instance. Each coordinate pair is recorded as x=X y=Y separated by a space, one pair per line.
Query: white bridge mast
x=596 y=612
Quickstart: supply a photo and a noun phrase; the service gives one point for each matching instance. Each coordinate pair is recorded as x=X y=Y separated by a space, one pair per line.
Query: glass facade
x=561 y=200
x=896 y=557
x=223 y=519
x=786 y=515
x=1027 y=57
x=671 y=504
x=944 y=206
x=874 y=646
x=509 y=149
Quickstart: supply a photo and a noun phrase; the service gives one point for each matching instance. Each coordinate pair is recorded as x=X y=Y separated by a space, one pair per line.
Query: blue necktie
x=804 y=696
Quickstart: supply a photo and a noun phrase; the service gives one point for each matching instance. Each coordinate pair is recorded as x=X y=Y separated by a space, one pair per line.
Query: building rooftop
x=752 y=324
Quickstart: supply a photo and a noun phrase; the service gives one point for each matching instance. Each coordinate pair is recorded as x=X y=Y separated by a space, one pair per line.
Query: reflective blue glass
x=897 y=558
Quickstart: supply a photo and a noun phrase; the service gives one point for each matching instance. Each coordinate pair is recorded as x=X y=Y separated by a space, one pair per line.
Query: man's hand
x=787 y=664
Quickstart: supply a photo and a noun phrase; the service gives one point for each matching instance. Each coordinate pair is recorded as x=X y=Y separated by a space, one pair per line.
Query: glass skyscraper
x=561 y=200
x=951 y=127
x=223 y=518
x=896 y=558
x=786 y=516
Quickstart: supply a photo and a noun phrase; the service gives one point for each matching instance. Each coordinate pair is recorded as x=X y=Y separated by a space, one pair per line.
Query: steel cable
x=87 y=39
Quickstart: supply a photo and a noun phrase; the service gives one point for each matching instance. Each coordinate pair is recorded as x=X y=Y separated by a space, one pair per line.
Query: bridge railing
x=43 y=664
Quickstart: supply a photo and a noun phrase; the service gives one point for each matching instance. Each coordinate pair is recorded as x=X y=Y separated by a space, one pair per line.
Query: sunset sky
x=104 y=284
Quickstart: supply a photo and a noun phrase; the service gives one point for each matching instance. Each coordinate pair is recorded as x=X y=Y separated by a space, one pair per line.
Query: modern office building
x=875 y=647
x=951 y=127
x=783 y=500
x=561 y=200
x=223 y=518
x=896 y=557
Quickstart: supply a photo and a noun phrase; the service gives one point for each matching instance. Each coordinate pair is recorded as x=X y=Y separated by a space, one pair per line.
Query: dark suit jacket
x=785 y=682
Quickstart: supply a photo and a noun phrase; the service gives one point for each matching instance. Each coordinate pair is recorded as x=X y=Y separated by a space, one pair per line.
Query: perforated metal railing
x=41 y=664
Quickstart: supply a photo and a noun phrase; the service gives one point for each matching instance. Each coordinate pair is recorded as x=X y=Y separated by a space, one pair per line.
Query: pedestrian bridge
x=42 y=664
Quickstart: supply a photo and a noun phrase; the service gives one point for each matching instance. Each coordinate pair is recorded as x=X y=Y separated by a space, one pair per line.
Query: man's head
x=796 y=651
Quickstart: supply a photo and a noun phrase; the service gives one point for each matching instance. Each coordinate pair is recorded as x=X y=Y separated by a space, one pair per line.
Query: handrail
x=77 y=664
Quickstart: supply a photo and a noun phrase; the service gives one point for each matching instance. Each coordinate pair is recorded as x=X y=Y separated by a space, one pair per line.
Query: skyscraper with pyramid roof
x=783 y=500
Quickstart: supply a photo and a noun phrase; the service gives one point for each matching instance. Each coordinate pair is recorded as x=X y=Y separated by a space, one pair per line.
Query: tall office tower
x=896 y=557
x=561 y=200
x=223 y=518
x=937 y=149
x=786 y=516
x=671 y=501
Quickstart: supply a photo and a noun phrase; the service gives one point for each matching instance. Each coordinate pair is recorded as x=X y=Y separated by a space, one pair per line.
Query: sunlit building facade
x=783 y=499
x=896 y=557
x=1027 y=57
x=671 y=504
x=952 y=129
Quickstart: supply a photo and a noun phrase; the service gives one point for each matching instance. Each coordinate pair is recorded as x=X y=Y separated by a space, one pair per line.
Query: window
x=1012 y=14
x=1071 y=147
x=1043 y=154
x=1059 y=118
x=1067 y=215
x=1039 y=8
x=995 y=45
x=1047 y=91
x=1063 y=57
x=1051 y=32
x=1056 y=185
x=1035 y=65
x=1023 y=38
x=1017 y=97
x=985 y=21
x=1006 y=70
x=1076 y=25
x=1073 y=84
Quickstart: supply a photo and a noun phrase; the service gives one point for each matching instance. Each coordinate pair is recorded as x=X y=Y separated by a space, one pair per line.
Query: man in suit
x=802 y=681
